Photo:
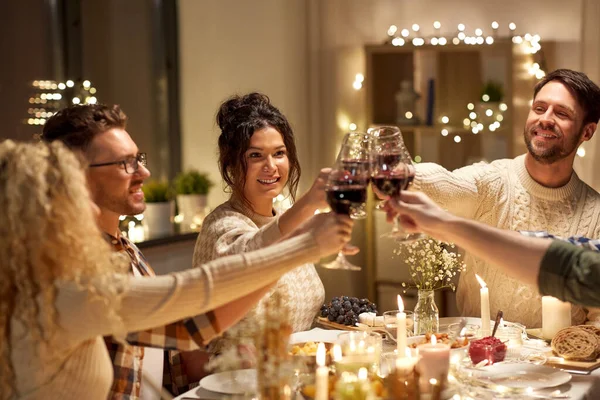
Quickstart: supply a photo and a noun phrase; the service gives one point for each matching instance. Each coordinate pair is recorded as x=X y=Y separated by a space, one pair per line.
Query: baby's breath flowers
x=432 y=264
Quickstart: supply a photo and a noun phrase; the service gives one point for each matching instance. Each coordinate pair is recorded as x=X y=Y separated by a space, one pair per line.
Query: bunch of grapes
x=345 y=310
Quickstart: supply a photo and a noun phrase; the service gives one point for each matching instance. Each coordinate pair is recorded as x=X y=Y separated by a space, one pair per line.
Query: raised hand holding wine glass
x=346 y=189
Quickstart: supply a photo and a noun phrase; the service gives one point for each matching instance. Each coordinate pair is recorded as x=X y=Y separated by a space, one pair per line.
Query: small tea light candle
x=434 y=360
x=401 y=328
x=485 y=307
x=556 y=315
x=405 y=363
x=322 y=378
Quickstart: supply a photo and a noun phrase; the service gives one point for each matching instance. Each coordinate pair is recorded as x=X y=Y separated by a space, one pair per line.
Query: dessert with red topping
x=489 y=348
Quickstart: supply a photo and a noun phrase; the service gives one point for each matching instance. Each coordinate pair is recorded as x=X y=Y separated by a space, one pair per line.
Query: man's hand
x=418 y=213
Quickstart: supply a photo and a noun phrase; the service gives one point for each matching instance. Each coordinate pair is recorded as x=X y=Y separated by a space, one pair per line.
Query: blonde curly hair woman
x=61 y=287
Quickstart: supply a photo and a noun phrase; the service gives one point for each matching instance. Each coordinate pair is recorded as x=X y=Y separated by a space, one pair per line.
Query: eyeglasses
x=131 y=164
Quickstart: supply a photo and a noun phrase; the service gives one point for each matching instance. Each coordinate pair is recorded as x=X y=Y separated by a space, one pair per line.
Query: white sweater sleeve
x=456 y=191
x=149 y=302
x=232 y=233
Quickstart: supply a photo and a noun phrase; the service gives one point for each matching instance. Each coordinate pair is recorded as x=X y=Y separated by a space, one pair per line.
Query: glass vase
x=426 y=315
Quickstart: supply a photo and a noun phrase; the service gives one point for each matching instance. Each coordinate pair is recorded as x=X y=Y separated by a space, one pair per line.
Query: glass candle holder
x=470 y=331
x=389 y=321
x=359 y=349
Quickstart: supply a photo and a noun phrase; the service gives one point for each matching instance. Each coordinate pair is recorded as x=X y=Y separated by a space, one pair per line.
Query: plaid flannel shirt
x=580 y=241
x=185 y=335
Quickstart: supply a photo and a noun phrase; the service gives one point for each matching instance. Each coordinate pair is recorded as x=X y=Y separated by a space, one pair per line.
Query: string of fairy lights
x=50 y=96
x=482 y=115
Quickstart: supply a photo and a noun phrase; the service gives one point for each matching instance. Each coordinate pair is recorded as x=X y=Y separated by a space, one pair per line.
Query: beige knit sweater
x=77 y=366
x=227 y=230
x=503 y=194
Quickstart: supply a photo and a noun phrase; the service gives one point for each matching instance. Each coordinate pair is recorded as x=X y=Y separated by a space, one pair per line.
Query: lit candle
x=322 y=379
x=434 y=361
x=401 y=328
x=485 y=307
x=555 y=316
x=405 y=363
x=337 y=353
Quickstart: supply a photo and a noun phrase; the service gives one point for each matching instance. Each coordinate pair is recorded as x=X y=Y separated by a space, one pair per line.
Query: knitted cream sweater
x=503 y=194
x=76 y=365
x=227 y=230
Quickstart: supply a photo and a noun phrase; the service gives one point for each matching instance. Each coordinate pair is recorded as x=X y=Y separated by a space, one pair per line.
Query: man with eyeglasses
x=116 y=173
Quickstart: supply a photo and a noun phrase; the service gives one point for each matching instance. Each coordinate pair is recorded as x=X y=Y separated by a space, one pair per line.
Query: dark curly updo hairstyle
x=239 y=117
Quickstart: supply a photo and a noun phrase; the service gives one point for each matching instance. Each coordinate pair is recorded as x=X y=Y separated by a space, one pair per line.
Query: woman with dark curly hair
x=258 y=161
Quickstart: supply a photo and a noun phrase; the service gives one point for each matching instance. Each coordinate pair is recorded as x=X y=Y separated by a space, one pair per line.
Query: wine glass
x=391 y=171
x=355 y=154
x=346 y=190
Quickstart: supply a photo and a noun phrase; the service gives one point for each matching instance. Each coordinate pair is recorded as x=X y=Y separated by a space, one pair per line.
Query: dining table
x=582 y=386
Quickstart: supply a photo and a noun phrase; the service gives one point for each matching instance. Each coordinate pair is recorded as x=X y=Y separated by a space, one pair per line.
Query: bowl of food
x=489 y=348
x=305 y=353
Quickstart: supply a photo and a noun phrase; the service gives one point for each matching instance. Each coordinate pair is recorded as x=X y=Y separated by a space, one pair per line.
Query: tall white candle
x=555 y=316
x=485 y=307
x=401 y=328
x=322 y=378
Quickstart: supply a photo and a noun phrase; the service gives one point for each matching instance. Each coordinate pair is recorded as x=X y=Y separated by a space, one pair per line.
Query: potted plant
x=158 y=212
x=191 y=188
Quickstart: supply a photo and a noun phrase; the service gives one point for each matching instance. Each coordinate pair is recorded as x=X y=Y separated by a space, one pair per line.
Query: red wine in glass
x=390 y=185
x=342 y=198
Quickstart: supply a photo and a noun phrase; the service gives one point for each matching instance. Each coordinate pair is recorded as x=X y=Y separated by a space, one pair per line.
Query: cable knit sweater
x=76 y=365
x=504 y=195
x=227 y=230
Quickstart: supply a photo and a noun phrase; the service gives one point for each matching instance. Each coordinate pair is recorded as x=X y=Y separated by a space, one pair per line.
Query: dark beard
x=553 y=154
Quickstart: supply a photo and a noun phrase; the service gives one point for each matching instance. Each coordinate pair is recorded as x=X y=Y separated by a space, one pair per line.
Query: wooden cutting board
x=585 y=366
x=327 y=324
x=554 y=361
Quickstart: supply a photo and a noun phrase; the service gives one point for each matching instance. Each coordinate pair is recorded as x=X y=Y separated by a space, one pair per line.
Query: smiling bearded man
x=535 y=191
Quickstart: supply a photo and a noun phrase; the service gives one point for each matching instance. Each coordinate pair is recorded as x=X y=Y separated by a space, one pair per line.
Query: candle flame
x=362 y=374
x=501 y=321
x=400 y=304
x=337 y=352
x=433 y=340
x=321 y=355
x=481 y=281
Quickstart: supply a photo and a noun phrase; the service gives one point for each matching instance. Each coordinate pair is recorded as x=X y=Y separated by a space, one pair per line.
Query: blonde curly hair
x=48 y=232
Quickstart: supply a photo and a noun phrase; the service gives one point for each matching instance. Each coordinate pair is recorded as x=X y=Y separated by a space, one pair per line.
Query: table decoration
x=434 y=362
x=359 y=349
x=401 y=328
x=556 y=315
x=322 y=375
x=432 y=265
x=485 y=307
x=274 y=366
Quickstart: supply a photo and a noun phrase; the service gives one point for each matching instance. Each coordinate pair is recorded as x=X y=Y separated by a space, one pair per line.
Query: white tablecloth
x=581 y=387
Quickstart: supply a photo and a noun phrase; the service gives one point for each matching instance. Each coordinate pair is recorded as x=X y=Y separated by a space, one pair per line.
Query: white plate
x=231 y=382
x=517 y=375
x=316 y=335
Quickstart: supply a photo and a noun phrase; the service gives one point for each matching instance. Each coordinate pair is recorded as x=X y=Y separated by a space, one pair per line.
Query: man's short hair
x=585 y=91
x=76 y=126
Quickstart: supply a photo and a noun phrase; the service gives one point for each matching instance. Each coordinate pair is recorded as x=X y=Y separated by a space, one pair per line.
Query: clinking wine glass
x=354 y=155
x=391 y=171
x=346 y=192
